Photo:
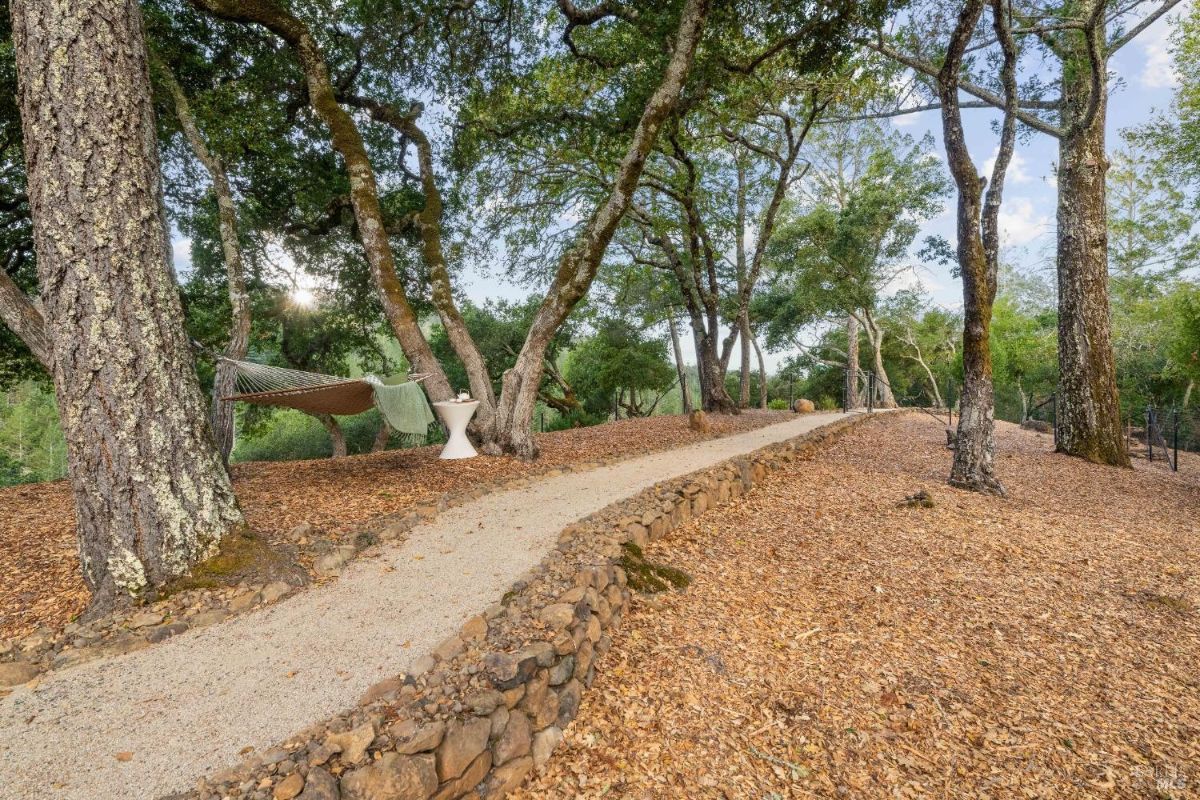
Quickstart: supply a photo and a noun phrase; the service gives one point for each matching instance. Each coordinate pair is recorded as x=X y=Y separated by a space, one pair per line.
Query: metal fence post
x=870 y=391
x=1150 y=433
x=1175 y=443
x=846 y=393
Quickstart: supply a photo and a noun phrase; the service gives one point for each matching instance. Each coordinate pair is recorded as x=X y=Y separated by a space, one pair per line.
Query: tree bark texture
x=685 y=391
x=744 y=376
x=152 y=496
x=578 y=266
x=23 y=318
x=364 y=191
x=852 y=366
x=221 y=413
x=978 y=257
x=762 y=372
x=429 y=224
x=337 y=438
x=884 y=397
x=1088 y=411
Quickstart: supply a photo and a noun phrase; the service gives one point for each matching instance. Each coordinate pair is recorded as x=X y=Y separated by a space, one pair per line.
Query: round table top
x=457 y=403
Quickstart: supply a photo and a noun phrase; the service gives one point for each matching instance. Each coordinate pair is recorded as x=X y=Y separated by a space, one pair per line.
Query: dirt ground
x=834 y=644
x=40 y=582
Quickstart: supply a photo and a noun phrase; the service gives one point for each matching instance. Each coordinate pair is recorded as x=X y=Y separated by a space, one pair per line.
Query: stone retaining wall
x=489 y=704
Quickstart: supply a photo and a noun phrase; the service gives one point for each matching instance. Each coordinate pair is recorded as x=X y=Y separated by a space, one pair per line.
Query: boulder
x=391 y=777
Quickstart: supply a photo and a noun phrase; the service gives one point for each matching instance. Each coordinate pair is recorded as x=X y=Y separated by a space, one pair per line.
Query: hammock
x=403 y=405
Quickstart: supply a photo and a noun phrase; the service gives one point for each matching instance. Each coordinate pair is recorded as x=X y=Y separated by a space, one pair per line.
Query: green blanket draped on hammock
x=404 y=407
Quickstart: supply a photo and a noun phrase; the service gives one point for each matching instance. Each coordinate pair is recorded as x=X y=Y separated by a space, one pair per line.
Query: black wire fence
x=1152 y=433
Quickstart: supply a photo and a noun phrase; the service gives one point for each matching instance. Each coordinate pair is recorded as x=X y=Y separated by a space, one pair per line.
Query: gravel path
x=186 y=707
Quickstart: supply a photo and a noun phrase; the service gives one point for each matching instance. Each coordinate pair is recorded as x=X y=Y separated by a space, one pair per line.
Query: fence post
x=542 y=421
x=1175 y=442
x=846 y=393
x=1054 y=417
x=870 y=391
x=1150 y=433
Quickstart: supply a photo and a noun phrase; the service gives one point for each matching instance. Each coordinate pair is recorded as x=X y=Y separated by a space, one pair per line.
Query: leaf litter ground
x=40 y=582
x=837 y=643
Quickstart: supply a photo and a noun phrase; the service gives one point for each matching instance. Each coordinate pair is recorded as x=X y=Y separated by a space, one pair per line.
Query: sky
x=1142 y=83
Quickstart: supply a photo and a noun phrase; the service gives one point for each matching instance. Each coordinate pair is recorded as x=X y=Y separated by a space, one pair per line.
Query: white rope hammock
x=313 y=392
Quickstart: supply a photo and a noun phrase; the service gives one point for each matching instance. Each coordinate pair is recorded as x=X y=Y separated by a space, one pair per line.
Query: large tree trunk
x=884 y=398
x=337 y=438
x=221 y=414
x=577 y=268
x=429 y=223
x=1087 y=414
x=364 y=191
x=685 y=391
x=852 y=367
x=382 y=437
x=744 y=376
x=151 y=494
x=978 y=255
x=762 y=373
x=712 y=378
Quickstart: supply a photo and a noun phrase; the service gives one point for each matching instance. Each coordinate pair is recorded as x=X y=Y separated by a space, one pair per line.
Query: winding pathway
x=185 y=707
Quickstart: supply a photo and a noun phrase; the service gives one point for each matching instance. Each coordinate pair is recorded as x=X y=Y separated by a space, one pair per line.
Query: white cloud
x=1020 y=222
x=1157 y=70
x=1017 y=172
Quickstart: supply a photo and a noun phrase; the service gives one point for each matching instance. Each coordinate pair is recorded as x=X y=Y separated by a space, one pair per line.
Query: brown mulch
x=41 y=583
x=838 y=643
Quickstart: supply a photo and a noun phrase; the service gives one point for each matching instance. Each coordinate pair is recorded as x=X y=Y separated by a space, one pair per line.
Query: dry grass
x=41 y=583
x=836 y=643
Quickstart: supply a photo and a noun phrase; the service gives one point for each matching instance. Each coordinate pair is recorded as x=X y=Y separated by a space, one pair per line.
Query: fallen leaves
x=39 y=560
x=1020 y=647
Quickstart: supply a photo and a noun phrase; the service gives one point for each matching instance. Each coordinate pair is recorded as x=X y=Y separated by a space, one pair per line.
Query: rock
x=39 y=638
x=544 y=743
x=545 y=711
x=144 y=620
x=319 y=755
x=558 y=616
x=499 y=719
x=515 y=741
x=471 y=777
x=562 y=671
x=569 y=698
x=542 y=653
x=484 y=702
x=423 y=665
x=474 y=629
x=449 y=649
x=386 y=687
x=563 y=643
x=320 y=785
x=14 y=673
x=274 y=591
x=412 y=738
x=242 y=602
x=392 y=777
x=353 y=743
x=462 y=744
x=508 y=670
x=513 y=696
x=208 y=617
x=332 y=562
x=289 y=787
x=509 y=777
x=166 y=631
x=573 y=596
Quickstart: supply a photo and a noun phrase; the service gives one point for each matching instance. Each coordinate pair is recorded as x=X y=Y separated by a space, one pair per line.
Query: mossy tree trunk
x=151 y=494
x=1088 y=410
x=978 y=250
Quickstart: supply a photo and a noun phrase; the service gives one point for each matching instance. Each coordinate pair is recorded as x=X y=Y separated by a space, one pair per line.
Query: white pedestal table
x=455 y=417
